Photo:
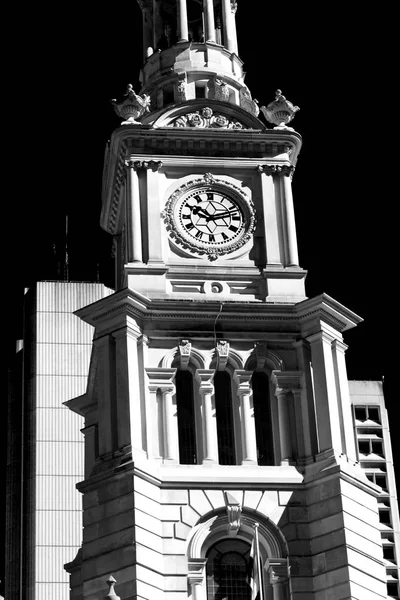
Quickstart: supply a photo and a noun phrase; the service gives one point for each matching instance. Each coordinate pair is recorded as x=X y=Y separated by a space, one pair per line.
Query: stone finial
x=132 y=107
x=111 y=592
x=280 y=111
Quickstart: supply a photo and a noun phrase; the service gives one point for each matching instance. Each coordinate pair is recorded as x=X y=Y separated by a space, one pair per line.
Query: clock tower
x=217 y=412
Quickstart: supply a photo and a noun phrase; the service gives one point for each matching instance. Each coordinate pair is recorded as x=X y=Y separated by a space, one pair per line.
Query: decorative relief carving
x=181 y=90
x=222 y=354
x=132 y=107
x=280 y=111
x=154 y=165
x=247 y=103
x=219 y=90
x=205 y=119
x=276 y=169
x=234 y=512
x=185 y=348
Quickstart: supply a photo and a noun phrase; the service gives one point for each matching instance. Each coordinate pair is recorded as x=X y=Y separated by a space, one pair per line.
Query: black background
x=62 y=65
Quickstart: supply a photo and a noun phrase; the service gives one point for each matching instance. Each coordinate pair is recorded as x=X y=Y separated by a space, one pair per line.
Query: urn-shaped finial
x=111 y=592
x=132 y=106
x=280 y=111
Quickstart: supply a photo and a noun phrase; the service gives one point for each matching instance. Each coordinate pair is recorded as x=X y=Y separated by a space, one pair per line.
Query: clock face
x=210 y=217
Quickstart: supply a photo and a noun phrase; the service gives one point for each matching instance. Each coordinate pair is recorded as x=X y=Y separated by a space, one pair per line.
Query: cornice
x=324 y=308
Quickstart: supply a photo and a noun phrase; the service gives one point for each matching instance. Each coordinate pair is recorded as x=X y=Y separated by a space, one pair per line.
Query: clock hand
x=222 y=215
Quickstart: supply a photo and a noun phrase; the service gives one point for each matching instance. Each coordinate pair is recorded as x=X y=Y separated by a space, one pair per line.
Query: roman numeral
x=197 y=198
x=189 y=227
x=224 y=236
x=199 y=235
x=210 y=196
x=236 y=217
x=211 y=238
x=233 y=228
x=185 y=216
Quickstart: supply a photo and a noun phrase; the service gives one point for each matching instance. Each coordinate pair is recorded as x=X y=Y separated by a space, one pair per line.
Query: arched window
x=186 y=418
x=223 y=409
x=262 y=418
x=227 y=571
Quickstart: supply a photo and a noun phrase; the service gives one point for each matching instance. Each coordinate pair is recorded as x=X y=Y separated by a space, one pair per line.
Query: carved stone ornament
x=222 y=354
x=132 y=107
x=279 y=112
x=219 y=90
x=247 y=103
x=185 y=348
x=234 y=513
x=276 y=169
x=209 y=217
x=205 y=119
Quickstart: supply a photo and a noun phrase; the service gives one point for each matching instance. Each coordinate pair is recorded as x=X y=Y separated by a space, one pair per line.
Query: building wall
x=57 y=347
x=375 y=456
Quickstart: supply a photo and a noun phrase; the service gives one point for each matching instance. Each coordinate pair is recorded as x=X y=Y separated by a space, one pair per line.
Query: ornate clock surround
x=209 y=249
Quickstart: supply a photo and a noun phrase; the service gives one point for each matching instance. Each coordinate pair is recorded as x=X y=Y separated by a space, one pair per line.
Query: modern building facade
x=216 y=402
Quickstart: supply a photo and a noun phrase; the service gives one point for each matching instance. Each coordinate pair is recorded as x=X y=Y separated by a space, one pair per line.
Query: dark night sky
x=64 y=65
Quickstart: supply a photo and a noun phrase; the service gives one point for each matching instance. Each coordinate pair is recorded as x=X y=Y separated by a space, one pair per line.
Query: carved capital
x=286 y=381
x=205 y=379
x=161 y=379
x=196 y=570
x=278 y=571
x=242 y=379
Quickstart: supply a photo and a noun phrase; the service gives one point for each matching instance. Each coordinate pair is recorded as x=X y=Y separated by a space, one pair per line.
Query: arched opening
x=262 y=419
x=224 y=414
x=227 y=570
x=186 y=418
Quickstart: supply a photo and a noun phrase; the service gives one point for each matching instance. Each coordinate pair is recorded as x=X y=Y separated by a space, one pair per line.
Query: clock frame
x=209 y=217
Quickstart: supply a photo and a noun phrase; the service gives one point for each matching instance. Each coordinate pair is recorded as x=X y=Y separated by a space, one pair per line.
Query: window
x=262 y=419
x=186 y=419
x=367 y=413
x=223 y=408
x=370 y=446
x=227 y=571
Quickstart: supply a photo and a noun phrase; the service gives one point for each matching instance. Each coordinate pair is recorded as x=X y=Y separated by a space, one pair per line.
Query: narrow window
x=227 y=571
x=223 y=408
x=262 y=419
x=186 y=420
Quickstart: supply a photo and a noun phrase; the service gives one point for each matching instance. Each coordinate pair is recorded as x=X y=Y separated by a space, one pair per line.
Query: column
x=163 y=380
x=227 y=24
x=153 y=212
x=183 y=31
x=129 y=400
x=271 y=218
x=342 y=385
x=277 y=569
x=293 y=259
x=284 y=425
x=134 y=221
x=209 y=421
x=209 y=18
x=147 y=33
x=105 y=393
x=325 y=397
x=196 y=578
x=244 y=391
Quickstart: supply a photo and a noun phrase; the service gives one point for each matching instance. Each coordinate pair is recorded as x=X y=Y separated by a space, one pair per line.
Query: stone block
x=189 y=515
x=363 y=568
x=301 y=584
x=215 y=497
x=279 y=516
x=148 y=592
x=300 y=548
x=361 y=528
x=115 y=488
x=252 y=498
x=331 y=578
x=358 y=495
x=175 y=595
x=268 y=502
x=111 y=562
x=170 y=513
x=361 y=512
x=199 y=502
x=337 y=592
x=147 y=506
x=176 y=565
x=326 y=525
x=107 y=509
x=326 y=508
x=108 y=543
x=327 y=541
x=181 y=531
x=174 y=546
x=148 y=557
x=147 y=489
x=290 y=532
x=174 y=497
x=284 y=497
x=148 y=522
x=167 y=529
x=146 y=538
x=360 y=592
x=176 y=583
x=152 y=575
x=298 y=514
x=323 y=490
x=90 y=499
x=358 y=542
